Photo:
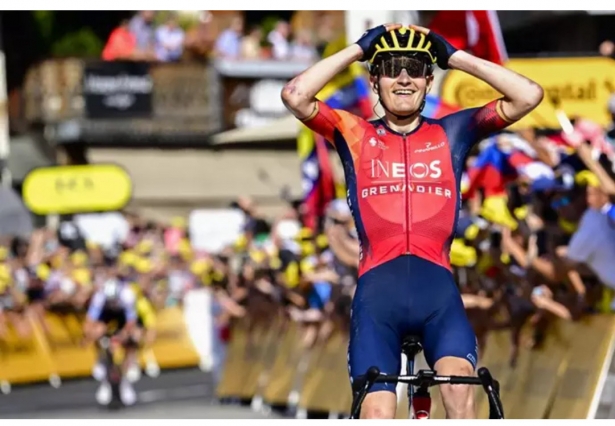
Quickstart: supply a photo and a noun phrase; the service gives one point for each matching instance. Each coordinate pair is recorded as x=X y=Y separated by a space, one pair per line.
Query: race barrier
x=556 y=381
x=59 y=351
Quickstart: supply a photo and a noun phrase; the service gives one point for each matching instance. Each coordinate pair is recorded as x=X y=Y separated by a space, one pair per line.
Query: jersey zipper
x=407 y=174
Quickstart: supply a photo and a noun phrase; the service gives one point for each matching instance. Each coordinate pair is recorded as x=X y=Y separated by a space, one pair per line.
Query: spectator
x=610 y=132
x=142 y=27
x=256 y=227
x=607 y=48
x=228 y=44
x=169 y=40
x=279 y=40
x=302 y=48
x=121 y=44
x=594 y=241
x=251 y=44
x=325 y=33
x=199 y=39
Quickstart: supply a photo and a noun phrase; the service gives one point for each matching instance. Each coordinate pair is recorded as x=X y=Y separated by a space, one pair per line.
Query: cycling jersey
x=404 y=189
x=146 y=315
x=609 y=210
x=102 y=309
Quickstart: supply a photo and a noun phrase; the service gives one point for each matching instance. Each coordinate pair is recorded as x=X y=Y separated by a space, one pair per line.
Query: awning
x=25 y=155
x=15 y=219
x=283 y=129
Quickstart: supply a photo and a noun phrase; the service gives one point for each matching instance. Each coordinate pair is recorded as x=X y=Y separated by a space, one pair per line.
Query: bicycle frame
x=109 y=348
x=425 y=379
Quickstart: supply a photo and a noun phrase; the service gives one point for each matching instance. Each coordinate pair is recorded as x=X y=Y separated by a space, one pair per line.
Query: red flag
x=476 y=31
x=327 y=178
x=321 y=182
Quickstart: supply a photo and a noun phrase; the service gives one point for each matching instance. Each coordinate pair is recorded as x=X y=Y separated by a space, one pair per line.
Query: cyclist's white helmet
x=111 y=289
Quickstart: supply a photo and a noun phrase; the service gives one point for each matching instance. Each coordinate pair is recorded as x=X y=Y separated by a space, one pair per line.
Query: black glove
x=442 y=48
x=368 y=40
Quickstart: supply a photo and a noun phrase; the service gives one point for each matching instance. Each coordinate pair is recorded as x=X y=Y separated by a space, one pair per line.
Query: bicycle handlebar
x=419 y=379
x=428 y=378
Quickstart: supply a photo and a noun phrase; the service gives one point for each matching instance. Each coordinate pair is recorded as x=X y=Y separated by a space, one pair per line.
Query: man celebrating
x=403 y=175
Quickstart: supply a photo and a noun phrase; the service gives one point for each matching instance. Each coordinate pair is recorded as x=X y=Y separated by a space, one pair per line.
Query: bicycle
x=419 y=399
x=113 y=365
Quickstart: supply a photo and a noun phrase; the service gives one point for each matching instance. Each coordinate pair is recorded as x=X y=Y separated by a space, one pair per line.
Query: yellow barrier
x=271 y=346
x=70 y=357
x=589 y=347
x=281 y=378
x=59 y=350
x=326 y=387
x=24 y=360
x=543 y=384
x=556 y=381
x=258 y=341
x=173 y=347
x=244 y=363
x=230 y=384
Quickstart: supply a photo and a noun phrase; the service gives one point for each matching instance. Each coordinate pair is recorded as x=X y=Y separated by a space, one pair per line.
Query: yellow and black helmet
x=405 y=41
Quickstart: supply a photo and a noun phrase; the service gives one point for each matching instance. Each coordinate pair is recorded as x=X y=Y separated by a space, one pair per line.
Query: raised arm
x=299 y=94
x=521 y=95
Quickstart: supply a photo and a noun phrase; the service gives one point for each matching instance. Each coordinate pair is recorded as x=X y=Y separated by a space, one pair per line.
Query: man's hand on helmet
x=371 y=36
x=442 y=48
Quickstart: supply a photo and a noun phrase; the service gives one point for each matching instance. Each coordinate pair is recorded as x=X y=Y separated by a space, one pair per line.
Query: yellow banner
x=77 y=189
x=578 y=86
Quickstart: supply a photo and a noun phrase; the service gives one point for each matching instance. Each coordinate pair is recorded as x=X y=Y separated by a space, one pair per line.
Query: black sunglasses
x=393 y=66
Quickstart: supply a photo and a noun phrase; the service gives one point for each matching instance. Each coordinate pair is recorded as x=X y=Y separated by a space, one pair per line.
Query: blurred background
x=151 y=148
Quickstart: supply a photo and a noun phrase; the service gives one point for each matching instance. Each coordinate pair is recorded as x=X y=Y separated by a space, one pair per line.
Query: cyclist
x=112 y=312
x=145 y=333
x=403 y=174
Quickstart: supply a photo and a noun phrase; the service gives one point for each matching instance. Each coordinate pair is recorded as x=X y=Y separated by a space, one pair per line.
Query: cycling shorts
x=407 y=295
x=114 y=319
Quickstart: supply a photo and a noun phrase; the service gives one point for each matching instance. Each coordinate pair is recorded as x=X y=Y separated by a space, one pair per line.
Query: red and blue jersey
x=404 y=189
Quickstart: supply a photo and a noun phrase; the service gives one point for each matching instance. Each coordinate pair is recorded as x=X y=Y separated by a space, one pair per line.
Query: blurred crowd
x=535 y=241
x=235 y=43
x=538 y=242
x=59 y=270
x=141 y=39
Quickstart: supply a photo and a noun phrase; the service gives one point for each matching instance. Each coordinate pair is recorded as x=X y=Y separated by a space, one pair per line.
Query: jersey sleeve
x=96 y=306
x=324 y=121
x=580 y=246
x=128 y=298
x=469 y=126
x=609 y=210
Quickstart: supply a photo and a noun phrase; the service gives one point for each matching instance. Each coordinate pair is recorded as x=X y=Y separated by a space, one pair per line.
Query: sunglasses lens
x=392 y=67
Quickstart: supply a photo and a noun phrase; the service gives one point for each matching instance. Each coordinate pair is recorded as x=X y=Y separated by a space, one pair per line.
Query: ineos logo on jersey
x=386 y=169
